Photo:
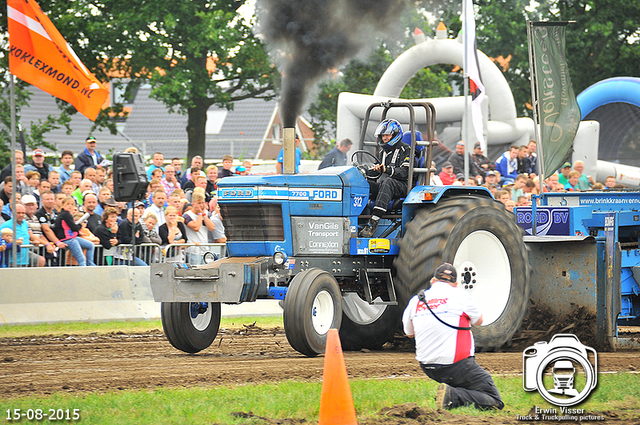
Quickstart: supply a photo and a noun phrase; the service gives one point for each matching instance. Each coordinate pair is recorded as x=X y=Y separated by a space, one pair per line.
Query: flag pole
x=465 y=64
x=14 y=248
x=534 y=103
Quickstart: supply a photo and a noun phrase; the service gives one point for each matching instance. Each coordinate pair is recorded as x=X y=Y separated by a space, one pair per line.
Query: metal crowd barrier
x=146 y=253
x=24 y=259
x=30 y=255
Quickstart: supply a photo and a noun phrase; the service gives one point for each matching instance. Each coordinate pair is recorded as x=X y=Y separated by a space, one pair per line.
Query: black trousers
x=470 y=384
x=384 y=190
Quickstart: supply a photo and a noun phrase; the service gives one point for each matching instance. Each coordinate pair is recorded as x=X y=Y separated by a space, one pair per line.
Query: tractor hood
x=260 y=212
x=334 y=191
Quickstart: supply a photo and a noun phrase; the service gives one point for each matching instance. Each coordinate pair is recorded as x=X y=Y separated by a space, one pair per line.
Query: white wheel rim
x=202 y=320
x=322 y=312
x=359 y=311
x=485 y=273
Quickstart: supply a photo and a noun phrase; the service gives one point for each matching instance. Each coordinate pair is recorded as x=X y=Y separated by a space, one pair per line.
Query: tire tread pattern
x=429 y=241
x=179 y=329
x=298 y=305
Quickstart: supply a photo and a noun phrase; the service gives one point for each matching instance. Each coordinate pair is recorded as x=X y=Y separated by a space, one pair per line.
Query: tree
x=502 y=31
x=602 y=43
x=33 y=134
x=195 y=54
x=358 y=76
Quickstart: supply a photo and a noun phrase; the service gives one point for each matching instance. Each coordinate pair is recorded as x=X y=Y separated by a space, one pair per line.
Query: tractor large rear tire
x=312 y=306
x=190 y=327
x=365 y=325
x=481 y=239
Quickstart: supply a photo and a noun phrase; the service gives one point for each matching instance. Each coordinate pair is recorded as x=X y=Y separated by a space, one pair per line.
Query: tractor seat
x=406 y=138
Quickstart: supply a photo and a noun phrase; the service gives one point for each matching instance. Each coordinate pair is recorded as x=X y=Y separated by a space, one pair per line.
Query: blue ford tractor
x=295 y=238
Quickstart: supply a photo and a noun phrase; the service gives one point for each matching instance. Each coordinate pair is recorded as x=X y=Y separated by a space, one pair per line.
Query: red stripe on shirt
x=68 y=233
x=463 y=340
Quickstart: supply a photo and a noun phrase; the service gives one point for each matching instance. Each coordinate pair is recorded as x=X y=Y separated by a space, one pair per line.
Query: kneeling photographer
x=440 y=319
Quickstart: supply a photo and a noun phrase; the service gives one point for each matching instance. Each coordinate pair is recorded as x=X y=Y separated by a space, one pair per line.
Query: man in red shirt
x=440 y=319
x=447 y=176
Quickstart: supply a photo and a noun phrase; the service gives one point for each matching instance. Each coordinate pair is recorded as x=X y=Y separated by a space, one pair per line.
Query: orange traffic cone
x=336 y=403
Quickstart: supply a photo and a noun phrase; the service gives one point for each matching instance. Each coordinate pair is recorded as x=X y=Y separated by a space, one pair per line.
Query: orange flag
x=39 y=55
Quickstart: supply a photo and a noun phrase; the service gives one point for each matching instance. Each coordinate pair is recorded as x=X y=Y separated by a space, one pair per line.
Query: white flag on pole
x=473 y=71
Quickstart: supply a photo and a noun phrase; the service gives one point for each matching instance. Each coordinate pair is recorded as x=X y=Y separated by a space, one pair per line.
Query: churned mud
x=42 y=365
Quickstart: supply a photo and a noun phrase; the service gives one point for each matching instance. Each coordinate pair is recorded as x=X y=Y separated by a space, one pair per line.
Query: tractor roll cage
x=426 y=155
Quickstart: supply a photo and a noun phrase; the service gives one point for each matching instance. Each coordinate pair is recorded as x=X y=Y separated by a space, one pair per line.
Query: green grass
x=300 y=400
x=83 y=328
x=618 y=393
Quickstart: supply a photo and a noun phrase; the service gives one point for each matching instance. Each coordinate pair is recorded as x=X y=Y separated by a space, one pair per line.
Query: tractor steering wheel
x=365 y=161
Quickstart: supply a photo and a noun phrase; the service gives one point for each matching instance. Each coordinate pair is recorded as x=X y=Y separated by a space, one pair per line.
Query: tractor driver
x=388 y=180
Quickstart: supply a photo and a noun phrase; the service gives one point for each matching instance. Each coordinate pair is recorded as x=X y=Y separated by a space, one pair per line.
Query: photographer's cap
x=446 y=272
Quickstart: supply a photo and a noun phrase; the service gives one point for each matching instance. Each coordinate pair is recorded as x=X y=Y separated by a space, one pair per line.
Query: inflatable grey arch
x=503 y=126
x=499 y=111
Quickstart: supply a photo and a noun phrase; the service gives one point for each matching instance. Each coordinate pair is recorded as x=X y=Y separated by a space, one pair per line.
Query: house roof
x=151 y=128
x=43 y=104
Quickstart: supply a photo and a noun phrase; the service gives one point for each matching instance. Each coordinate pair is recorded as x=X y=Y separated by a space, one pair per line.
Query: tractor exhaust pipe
x=289 y=154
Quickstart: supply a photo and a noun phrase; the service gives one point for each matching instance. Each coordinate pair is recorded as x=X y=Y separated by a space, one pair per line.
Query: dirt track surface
x=43 y=365
x=96 y=363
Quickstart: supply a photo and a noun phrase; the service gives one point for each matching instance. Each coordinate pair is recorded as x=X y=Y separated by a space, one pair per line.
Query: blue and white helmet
x=392 y=127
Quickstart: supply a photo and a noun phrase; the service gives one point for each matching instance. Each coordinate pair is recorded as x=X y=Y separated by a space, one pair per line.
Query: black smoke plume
x=312 y=37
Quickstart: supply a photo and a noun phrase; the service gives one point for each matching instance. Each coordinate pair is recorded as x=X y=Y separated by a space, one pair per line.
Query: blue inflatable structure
x=611 y=90
x=615 y=104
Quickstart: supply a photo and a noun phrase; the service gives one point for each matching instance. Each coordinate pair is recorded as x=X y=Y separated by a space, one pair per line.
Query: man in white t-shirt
x=217 y=235
x=440 y=319
x=197 y=223
x=157 y=207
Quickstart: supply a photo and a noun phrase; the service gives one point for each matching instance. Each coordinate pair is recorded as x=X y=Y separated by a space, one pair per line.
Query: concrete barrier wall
x=68 y=294
x=91 y=294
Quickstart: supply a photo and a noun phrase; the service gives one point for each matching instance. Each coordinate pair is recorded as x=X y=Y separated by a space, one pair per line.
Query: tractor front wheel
x=190 y=327
x=312 y=306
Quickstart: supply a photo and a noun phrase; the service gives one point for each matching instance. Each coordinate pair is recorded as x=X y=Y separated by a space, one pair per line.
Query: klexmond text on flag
x=40 y=56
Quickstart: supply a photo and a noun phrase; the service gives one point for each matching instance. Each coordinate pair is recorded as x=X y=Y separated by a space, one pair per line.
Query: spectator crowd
x=63 y=214
x=513 y=178
x=67 y=215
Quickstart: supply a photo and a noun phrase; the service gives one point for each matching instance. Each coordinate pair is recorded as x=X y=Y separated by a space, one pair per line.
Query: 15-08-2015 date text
x=43 y=414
